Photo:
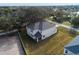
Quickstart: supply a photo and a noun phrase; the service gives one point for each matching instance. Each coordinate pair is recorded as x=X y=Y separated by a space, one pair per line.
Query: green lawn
x=67 y=23
x=52 y=45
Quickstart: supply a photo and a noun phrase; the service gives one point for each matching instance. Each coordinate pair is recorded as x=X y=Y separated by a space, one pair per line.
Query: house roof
x=74 y=49
x=38 y=35
x=73 y=46
x=41 y=25
x=74 y=42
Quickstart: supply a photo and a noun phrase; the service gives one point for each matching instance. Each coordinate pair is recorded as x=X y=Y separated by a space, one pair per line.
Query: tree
x=7 y=21
x=61 y=15
x=34 y=14
x=4 y=23
x=14 y=18
x=75 y=22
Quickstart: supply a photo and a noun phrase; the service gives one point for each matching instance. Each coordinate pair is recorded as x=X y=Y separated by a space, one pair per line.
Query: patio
x=10 y=45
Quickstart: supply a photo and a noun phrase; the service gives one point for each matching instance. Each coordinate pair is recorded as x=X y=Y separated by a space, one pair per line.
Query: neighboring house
x=41 y=30
x=73 y=47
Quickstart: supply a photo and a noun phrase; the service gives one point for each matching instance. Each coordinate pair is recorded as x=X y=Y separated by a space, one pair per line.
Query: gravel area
x=10 y=45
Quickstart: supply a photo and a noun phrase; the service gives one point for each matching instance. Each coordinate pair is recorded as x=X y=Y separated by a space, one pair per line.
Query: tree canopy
x=75 y=22
x=14 y=18
x=35 y=14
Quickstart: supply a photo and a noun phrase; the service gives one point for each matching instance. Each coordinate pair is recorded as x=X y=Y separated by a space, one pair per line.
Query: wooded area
x=12 y=18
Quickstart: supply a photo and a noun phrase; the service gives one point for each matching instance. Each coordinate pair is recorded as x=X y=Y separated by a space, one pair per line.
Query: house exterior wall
x=68 y=52
x=45 y=33
x=48 y=32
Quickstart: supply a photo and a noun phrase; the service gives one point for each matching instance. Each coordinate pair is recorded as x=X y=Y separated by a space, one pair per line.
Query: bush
x=75 y=22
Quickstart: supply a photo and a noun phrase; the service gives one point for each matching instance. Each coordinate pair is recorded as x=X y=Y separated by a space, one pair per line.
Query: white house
x=73 y=47
x=41 y=30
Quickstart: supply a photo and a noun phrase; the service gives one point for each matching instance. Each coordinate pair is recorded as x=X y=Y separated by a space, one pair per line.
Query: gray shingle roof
x=74 y=49
x=73 y=46
x=74 y=42
x=41 y=25
x=38 y=35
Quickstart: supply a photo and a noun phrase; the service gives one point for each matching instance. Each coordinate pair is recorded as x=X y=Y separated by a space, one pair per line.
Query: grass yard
x=67 y=23
x=52 y=45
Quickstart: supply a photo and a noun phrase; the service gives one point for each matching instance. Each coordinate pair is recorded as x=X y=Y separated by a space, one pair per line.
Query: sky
x=36 y=4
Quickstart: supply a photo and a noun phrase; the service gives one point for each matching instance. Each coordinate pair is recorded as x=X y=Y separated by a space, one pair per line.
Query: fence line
x=22 y=43
x=9 y=32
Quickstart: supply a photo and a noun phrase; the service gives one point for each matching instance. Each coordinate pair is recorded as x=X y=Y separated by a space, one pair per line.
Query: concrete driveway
x=10 y=45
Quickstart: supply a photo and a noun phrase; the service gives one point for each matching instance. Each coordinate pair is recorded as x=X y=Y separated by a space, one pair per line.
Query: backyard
x=52 y=45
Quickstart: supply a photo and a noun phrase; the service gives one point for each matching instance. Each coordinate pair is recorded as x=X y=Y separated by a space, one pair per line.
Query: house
x=73 y=47
x=41 y=30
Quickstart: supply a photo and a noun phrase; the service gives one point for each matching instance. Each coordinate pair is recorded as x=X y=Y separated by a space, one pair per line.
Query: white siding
x=49 y=32
x=46 y=33
x=68 y=52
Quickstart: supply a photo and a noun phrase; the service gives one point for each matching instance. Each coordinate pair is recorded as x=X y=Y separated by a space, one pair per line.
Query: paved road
x=69 y=27
x=10 y=45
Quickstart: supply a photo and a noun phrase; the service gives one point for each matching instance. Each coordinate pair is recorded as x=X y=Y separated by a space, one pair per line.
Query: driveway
x=10 y=45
